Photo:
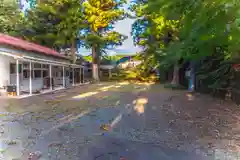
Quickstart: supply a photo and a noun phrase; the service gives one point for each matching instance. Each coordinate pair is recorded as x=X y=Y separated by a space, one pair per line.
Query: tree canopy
x=178 y=31
x=100 y=16
x=11 y=17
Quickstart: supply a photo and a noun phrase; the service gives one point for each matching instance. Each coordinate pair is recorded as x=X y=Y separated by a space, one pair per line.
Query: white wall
x=4 y=70
x=37 y=83
x=129 y=64
x=59 y=80
x=107 y=66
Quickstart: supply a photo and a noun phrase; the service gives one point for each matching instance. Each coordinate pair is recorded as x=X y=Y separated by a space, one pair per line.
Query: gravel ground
x=120 y=121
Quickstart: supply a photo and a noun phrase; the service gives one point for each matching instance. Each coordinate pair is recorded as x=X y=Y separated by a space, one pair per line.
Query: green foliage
x=87 y=58
x=101 y=13
x=99 y=16
x=11 y=17
x=55 y=23
x=190 y=30
x=59 y=24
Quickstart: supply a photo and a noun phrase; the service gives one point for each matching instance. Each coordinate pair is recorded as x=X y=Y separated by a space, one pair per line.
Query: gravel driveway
x=120 y=121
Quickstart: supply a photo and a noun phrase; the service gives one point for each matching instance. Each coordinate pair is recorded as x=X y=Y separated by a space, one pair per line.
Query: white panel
x=4 y=70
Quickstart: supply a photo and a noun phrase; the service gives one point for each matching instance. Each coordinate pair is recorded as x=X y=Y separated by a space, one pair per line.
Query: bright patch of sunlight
x=88 y=94
x=117 y=103
x=84 y=95
x=145 y=83
x=190 y=97
x=149 y=83
x=106 y=88
x=123 y=83
x=140 y=105
x=140 y=101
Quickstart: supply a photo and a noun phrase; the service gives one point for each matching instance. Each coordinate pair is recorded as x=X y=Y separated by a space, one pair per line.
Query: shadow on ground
x=128 y=121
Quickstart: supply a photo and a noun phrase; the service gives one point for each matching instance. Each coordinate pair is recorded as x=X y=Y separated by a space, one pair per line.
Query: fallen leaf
x=34 y=156
x=11 y=142
x=57 y=144
x=187 y=116
x=105 y=127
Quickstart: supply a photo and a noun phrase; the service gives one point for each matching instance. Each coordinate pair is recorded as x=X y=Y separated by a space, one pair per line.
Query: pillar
x=80 y=74
x=17 y=77
x=30 y=78
x=63 y=77
x=50 y=76
x=73 y=76
x=110 y=73
x=83 y=73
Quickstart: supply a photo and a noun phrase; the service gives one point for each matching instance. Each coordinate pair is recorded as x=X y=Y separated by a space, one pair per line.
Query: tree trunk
x=95 y=68
x=73 y=51
x=175 y=79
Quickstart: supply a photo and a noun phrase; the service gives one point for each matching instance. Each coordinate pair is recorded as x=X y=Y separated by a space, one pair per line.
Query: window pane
x=12 y=68
x=25 y=73
x=45 y=73
x=37 y=65
x=67 y=74
x=37 y=73
x=45 y=66
x=20 y=68
x=25 y=65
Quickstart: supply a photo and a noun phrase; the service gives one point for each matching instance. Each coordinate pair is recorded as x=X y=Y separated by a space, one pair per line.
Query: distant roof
x=126 y=58
x=28 y=46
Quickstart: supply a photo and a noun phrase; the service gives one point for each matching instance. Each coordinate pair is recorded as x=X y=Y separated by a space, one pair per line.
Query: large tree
x=55 y=24
x=188 y=30
x=153 y=32
x=100 y=16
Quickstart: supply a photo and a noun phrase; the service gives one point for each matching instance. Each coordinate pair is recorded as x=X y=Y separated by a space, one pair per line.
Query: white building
x=29 y=67
x=129 y=63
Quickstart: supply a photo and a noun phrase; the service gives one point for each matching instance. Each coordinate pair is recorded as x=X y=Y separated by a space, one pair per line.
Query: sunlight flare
x=84 y=95
x=190 y=97
x=123 y=83
x=106 y=88
x=140 y=105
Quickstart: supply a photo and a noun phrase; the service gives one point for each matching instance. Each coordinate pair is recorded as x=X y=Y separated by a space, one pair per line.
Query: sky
x=123 y=27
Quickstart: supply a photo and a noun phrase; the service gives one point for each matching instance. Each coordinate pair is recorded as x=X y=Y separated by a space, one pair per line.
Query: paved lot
x=120 y=121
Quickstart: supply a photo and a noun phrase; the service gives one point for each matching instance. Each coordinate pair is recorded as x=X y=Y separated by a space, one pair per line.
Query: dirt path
x=82 y=123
